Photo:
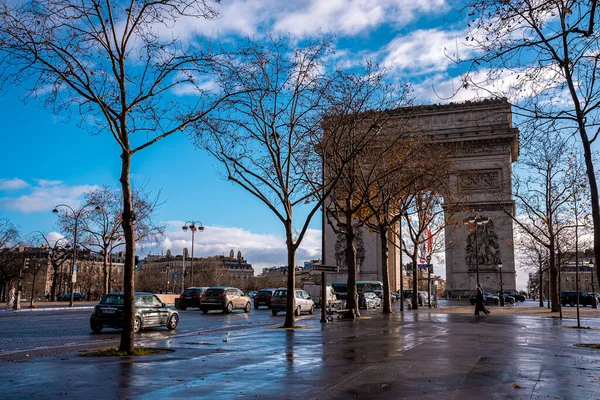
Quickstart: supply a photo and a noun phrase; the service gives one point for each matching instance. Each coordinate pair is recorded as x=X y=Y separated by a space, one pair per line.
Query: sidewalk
x=416 y=355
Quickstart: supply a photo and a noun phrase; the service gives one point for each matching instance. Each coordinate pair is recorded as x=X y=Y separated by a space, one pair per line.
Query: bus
x=341 y=288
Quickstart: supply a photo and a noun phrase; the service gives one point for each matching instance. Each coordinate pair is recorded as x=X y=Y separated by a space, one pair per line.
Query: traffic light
x=137 y=262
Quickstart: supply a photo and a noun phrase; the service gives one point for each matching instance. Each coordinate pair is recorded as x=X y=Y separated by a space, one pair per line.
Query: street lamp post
x=167 y=270
x=193 y=226
x=476 y=221
x=428 y=258
x=76 y=215
x=501 y=286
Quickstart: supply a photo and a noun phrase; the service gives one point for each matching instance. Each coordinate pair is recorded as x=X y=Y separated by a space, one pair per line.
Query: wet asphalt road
x=51 y=333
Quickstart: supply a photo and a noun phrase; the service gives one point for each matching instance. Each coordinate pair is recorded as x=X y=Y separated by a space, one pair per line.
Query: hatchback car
x=264 y=297
x=303 y=302
x=149 y=312
x=224 y=298
x=571 y=298
x=191 y=297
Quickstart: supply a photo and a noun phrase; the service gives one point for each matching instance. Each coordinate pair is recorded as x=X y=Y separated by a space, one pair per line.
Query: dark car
x=507 y=298
x=517 y=296
x=488 y=298
x=149 y=312
x=570 y=298
x=224 y=298
x=67 y=297
x=264 y=297
x=191 y=297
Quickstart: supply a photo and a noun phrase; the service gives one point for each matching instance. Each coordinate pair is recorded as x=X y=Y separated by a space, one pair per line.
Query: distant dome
x=231 y=254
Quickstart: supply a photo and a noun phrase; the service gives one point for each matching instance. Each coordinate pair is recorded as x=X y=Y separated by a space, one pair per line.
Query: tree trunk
x=127 y=339
x=352 y=295
x=291 y=278
x=54 y=283
x=415 y=283
x=541 y=285
x=32 y=289
x=589 y=163
x=553 y=280
x=105 y=269
x=387 y=299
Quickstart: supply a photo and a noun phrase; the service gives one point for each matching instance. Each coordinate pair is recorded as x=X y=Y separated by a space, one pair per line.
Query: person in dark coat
x=479 y=301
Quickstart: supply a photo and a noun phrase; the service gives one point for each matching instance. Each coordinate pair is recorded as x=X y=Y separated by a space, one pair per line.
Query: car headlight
x=95 y=312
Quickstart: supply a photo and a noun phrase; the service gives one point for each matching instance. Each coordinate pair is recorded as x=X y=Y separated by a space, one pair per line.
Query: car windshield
x=264 y=292
x=116 y=299
x=191 y=292
x=214 y=292
x=281 y=293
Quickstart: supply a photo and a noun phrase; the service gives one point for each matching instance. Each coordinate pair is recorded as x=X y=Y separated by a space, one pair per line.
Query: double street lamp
x=76 y=214
x=474 y=222
x=193 y=226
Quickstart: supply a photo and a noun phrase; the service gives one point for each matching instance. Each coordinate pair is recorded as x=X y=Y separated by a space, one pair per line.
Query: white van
x=315 y=293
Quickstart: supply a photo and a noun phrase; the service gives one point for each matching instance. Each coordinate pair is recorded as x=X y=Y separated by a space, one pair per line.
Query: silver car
x=303 y=302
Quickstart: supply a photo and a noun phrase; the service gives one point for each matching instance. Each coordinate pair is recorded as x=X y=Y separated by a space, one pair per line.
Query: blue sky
x=48 y=159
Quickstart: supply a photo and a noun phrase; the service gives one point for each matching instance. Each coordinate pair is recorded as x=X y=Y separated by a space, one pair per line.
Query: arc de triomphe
x=484 y=145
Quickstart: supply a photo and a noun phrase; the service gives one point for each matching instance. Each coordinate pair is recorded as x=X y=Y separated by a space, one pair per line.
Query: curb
x=47 y=309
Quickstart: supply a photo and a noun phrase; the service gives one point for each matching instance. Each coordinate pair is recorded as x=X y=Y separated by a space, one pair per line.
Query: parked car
x=224 y=298
x=421 y=296
x=191 y=297
x=368 y=300
x=507 y=298
x=488 y=298
x=570 y=298
x=67 y=297
x=303 y=302
x=149 y=312
x=264 y=297
x=517 y=296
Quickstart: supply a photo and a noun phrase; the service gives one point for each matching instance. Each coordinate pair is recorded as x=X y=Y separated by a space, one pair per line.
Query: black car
x=488 y=298
x=517 y=296
x=264 y=297
x=570 y=298
x=190 y=297
x=149 y=312
x=67 y=297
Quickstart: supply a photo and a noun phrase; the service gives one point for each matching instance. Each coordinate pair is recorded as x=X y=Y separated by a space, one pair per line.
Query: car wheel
x=256 y=306
x=312 y=310
x=247 y=308
x=298 y=311
x=274 y=312
x=229 y=308
x=96 y=328
x=173 y=321
x=204 y=310
x=137 y=324
x=183 y=308
x=572 y=304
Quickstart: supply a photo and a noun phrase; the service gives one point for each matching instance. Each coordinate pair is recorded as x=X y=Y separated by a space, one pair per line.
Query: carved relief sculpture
x=340 y=249
x=488 y=248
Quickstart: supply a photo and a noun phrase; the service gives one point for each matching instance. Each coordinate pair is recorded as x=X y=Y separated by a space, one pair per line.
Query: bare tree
x=544 y=51
x=9 y=233
x=101 y=230
x=266 y=139
x=113 y=64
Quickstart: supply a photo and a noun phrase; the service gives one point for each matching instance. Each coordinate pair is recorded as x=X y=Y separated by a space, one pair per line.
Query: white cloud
x=12 y=184
x=260 y=250
x=46 y=182
x=306 y=17
x=42 y=198
x=426 y=51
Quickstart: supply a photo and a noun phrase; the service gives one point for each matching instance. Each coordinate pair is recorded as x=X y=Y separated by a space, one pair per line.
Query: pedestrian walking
x=480 y=301
x=11 y=298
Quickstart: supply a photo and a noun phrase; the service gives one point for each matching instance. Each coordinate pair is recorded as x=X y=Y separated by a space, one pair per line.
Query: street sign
x=74 y=280
x=74 y=268
x=325 y=268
